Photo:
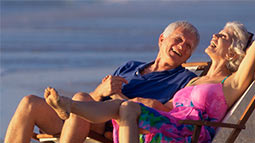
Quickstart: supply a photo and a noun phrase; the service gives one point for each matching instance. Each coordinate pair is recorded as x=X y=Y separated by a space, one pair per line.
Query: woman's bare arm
x=244 y=75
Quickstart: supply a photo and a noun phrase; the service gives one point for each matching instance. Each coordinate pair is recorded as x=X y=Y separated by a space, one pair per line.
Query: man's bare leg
x=32 y=111
x=76 y=128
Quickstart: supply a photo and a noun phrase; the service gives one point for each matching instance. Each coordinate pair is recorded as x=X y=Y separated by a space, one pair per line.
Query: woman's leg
x=32 y=111
x=128 y=122
x=76 y=129
x=95 y=112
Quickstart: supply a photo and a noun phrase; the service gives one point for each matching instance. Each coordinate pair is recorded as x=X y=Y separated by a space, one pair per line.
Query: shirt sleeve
x=120 y=69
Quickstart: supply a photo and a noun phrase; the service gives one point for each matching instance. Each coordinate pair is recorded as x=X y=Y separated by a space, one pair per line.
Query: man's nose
x=181 y=45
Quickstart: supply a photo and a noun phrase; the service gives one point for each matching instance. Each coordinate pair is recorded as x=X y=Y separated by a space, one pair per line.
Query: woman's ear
x=231 y=55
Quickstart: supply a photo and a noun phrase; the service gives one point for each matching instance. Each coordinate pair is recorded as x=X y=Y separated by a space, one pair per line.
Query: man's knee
x=129 y=109
x=82 y=96
x=29 y=102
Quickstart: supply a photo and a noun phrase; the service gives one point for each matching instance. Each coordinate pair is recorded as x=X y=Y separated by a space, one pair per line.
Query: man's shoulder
x=128 y=67
x=132 y=64
x=184 y=72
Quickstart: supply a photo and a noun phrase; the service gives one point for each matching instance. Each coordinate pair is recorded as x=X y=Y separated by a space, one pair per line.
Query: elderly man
x=152 y=84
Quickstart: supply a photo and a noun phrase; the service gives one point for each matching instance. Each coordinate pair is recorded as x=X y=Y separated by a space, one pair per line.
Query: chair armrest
x=214 y=124
x=47 y=136
x=197 y=67
x=200 y=65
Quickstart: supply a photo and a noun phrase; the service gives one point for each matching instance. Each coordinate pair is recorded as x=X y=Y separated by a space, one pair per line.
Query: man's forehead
x=185 y=33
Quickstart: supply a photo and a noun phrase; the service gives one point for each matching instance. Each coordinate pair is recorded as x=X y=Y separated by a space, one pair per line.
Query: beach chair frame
x=47 y=138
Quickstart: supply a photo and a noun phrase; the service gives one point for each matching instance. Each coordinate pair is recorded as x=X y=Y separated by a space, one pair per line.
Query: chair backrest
x=199 y=68
x=238 y=114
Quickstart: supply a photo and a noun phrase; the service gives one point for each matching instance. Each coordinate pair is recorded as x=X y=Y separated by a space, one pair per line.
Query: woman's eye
x=223 y=36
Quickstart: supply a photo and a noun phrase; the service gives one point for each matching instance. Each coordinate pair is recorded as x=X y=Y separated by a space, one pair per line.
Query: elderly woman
x=204 y=98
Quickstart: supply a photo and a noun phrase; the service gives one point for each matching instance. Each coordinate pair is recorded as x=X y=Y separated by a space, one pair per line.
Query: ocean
x=72 y=45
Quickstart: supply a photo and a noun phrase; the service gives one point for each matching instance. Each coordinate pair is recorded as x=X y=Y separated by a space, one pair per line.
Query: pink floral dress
x=200 y=102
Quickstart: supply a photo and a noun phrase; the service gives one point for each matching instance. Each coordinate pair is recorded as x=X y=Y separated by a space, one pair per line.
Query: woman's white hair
x=239 y=42
x=187 y=26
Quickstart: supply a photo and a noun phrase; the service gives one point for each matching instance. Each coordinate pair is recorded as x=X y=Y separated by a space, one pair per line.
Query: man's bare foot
x=62 y=105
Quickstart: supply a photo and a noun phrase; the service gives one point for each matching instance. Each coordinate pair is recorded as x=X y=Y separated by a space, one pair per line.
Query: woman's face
x=220 y=44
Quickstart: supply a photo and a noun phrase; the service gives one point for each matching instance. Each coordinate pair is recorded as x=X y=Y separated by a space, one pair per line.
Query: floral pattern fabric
x=200 y=102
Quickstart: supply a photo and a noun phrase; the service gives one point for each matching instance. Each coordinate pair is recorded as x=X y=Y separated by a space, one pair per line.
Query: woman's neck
x=218 y=69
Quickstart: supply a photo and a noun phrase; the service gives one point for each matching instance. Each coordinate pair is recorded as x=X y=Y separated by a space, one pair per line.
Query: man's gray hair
x=239 y=42
x=187 y=26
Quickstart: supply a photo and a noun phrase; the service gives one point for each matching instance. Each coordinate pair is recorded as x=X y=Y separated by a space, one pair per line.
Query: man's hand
x=153 y=103
x=109 y=85
x=119 y=96
x=145 y=101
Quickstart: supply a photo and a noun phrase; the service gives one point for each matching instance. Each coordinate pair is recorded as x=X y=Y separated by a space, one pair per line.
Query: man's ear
x=160 y=40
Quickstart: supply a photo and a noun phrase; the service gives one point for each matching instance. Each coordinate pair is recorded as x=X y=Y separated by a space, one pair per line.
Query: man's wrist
x=95 y=96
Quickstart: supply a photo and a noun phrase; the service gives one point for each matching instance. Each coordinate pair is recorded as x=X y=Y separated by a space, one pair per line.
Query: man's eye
x=178 y=39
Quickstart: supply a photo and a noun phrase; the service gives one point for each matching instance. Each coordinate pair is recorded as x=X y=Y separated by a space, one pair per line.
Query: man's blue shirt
x=156 y=85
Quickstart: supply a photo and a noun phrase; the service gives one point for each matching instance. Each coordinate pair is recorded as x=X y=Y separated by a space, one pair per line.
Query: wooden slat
x=196 y=134
x=47 y=136
x=247 y=113
x=214 y=124
x=192 y=64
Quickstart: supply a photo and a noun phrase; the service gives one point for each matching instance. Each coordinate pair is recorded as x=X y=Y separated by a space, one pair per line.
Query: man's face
x=177 y=47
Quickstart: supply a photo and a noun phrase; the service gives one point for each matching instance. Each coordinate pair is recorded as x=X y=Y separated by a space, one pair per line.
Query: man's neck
x=157 y=66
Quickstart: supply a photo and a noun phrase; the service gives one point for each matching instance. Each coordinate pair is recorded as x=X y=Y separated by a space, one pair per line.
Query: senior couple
x=146 y=100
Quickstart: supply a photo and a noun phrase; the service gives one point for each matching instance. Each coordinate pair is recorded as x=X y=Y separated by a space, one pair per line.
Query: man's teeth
x=176 y=52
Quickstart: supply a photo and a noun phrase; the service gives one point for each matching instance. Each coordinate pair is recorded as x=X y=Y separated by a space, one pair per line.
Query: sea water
x=71 y=45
